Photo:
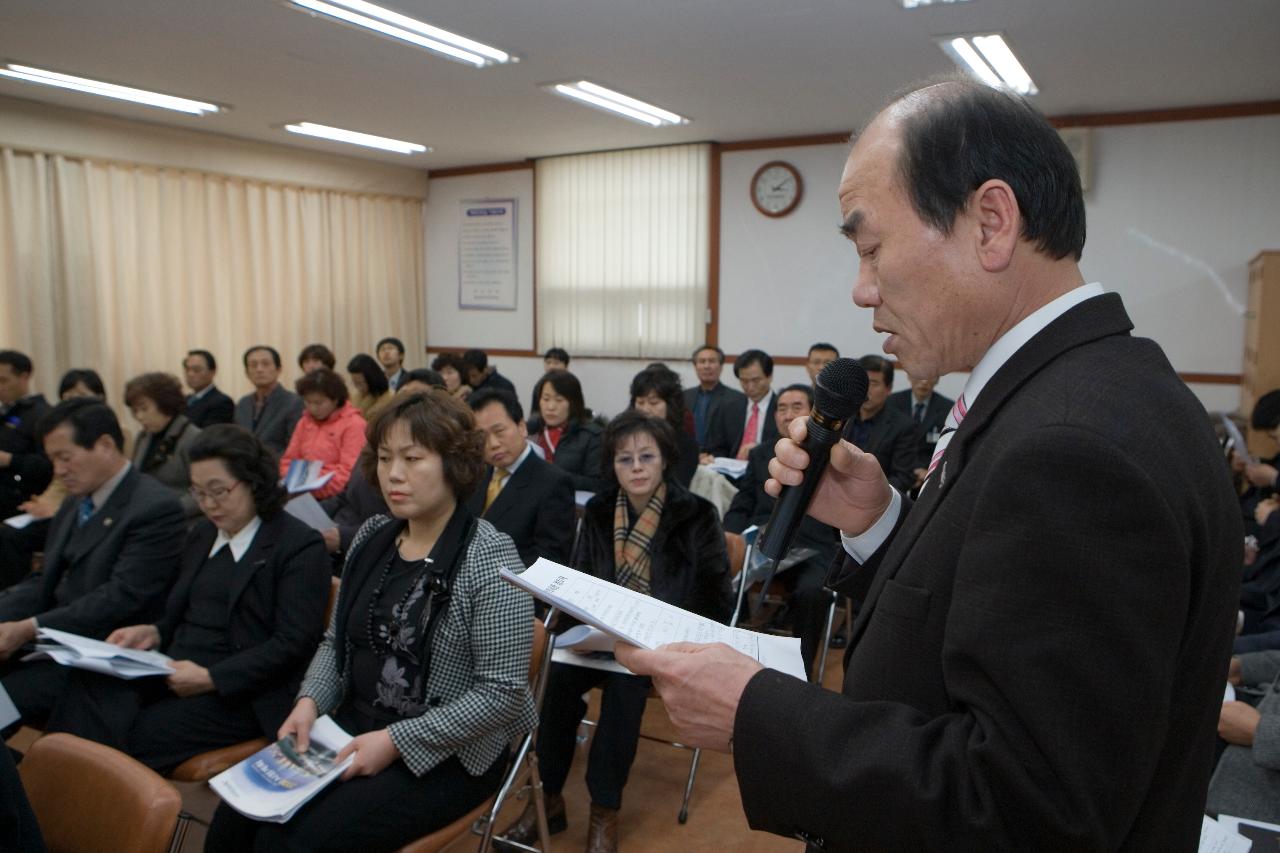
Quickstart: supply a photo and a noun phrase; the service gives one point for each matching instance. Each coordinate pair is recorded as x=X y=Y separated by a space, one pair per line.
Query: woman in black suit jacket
x=241 y=622
x=568 y=437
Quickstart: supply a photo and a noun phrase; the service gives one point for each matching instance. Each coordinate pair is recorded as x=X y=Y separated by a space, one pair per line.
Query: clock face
x=776 y=188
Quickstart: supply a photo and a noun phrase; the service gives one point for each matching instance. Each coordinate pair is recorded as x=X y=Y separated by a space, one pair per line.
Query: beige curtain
x=124 y=268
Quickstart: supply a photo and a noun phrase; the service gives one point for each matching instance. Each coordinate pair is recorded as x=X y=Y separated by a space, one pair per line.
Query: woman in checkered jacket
x=426 y=657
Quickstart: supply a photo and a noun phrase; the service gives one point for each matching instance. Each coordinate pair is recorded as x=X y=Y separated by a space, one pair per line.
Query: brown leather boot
x=602 y=832
x=525 y=829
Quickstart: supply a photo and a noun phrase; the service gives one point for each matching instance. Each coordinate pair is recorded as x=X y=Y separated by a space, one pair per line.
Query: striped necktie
x=954 y=419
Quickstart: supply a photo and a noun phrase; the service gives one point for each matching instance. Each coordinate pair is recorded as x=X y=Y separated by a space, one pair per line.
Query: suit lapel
x=509 y=497
x=248 y=565
x=83 y=540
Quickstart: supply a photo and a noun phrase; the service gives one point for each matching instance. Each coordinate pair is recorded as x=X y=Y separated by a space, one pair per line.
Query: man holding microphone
x=1044 y=634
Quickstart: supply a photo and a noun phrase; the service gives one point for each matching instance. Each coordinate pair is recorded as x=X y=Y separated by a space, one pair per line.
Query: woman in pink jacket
x=330 y=430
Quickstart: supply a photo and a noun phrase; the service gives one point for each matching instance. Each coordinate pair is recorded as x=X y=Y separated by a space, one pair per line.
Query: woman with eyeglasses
x=646 y=532
x=243 y=618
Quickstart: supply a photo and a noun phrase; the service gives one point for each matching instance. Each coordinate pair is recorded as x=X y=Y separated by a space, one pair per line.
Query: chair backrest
x=334 y=583
x=90 y=797
x=737 y=548
x=539 y=647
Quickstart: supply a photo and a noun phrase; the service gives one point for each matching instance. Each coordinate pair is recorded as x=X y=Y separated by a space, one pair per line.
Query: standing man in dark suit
x=710 y=394
x=928 y=412
x=270 y=412
x=1060 y=547
x=206 y=405
x=735 y=429
x=111 y=556
x=524 y=496
x=24 y=469
x=881 y=431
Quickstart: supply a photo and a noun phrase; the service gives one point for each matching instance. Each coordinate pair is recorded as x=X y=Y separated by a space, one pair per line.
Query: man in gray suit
x=270 y=412
x=1246 y=782
x=110 y=559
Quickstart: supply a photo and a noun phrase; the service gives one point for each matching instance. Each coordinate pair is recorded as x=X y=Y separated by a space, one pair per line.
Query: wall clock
x=776 y=188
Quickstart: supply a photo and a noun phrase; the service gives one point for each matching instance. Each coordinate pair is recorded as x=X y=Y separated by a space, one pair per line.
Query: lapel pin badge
x=106 y=522
x=942 y=476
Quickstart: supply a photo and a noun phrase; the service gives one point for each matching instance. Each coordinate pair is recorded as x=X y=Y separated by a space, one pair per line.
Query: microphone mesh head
x=841 y=388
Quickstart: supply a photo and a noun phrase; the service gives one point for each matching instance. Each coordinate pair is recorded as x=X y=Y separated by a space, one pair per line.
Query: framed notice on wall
x=487 y=254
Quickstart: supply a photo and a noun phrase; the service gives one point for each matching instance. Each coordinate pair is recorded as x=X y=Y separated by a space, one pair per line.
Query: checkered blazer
x=479 y=679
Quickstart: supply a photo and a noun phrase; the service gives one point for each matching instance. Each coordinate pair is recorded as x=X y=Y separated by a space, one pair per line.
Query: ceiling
x=742 y=69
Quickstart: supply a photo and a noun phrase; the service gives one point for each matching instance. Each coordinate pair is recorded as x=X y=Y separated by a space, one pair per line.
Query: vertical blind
x=622 y=246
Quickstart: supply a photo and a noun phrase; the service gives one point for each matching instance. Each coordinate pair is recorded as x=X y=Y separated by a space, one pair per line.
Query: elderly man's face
x=921 y=284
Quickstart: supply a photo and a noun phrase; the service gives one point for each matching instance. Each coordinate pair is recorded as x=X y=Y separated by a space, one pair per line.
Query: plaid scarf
x=631 y=547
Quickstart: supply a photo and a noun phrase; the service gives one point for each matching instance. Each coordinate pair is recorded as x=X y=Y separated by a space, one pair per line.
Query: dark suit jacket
x=535 y=508
x=279 y=417
x=30 y=472
x=724 y=432
x=494 y=379
x=1063 y=547
x=935 y=416
x=114 y=571
x=753 y=505
x=721 y=395
x=276 y=606
x=213 y=408
x=892 y=440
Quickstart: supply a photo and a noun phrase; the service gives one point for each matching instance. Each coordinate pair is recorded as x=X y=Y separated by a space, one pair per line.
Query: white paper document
x=273 y=783
x=307 y=509
x=96 y=656
x=1239 y=445
x=1217 y=838
x=730 y=467
x=304 y=476
x=581 y=497
x=18 y=522
x=647 y=622
x=8 y=711
x=583 y=645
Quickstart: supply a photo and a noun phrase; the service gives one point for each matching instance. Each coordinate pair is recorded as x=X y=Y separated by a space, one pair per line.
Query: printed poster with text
x=487 y=254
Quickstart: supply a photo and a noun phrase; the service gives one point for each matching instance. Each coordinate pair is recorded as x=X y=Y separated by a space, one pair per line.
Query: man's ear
x=995 y=210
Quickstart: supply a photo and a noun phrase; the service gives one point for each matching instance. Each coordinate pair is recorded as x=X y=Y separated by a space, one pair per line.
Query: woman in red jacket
x=331 y=430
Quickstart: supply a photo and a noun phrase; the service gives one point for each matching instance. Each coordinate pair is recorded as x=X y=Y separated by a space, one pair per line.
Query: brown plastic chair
x=89 y=797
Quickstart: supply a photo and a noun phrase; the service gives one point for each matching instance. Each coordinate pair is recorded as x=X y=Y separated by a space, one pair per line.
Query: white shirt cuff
x=861 y=547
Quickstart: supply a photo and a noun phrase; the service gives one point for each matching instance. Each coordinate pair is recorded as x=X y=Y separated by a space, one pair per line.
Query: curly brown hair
x=324 y=381
x=162 y=389
x=442 y=424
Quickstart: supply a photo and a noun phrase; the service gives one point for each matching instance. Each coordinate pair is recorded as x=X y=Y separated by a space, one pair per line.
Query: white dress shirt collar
x=240 y=542
x=104 y=492
x=202 y=393
x=514 y=466
x=764 y=414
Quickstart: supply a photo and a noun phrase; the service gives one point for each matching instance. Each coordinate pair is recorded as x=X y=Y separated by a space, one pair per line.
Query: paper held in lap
x=96 y=656
x=644 y=621
x=277 y=780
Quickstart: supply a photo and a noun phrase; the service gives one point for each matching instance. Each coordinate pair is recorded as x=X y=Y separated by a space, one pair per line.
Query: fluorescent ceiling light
x=989 y=58
x=395 y=25
x=368 y=140
x=915 y=4
x=615 y=102
x=106 y=90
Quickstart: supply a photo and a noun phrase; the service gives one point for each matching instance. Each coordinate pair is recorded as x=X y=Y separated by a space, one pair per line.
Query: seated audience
x=314 y=357
x=555 y=358
x=81 y=382
x=111 y=555
x=568 y=437
x=241 y=623
x=1246 y=782
x=820 y=355
x=710 y=394
x=650 y=535
x=269 y=412
x=656 y=391
x=426 y=658
x=24 y=469
x=330 y=431
x=480 y=374
x=1260 y=476
x=524 y=496
x=372 y=393
x=390 y=353
x=809 y=600
x=420 y=381
x=885 y=433
x=206 y=405
x=161 y=448
x=928 y=413
x=454 y=370
x=736 y=428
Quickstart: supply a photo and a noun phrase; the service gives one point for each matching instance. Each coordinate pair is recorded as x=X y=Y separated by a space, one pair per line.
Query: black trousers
x=144 y=719
x=34 y=687
x=368 y=813
x=613 y=749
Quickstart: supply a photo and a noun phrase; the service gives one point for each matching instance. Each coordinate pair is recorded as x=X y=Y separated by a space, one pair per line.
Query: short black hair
x=162 y=389
x=475 y=359
x=209 y=361
x=1266 y=412
x=90 y=420
x=823 y=345
x=450 y=359
x=964 y=133
x=368 y=367
x=324 y=381
x=567 y=386
x=399 y=344
x=275 y=355
x=558 y=353
x=754 y=356
x=317 y=352
x=712 y=347
x=85 y=376
x=629 y=423
x=878 y=364
x=806 y=390
x=18 y=362
x=425 y=375
x=486 y=396
x=665 y=382
x=247 y=459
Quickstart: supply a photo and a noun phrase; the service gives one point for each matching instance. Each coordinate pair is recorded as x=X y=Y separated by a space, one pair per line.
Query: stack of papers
x=304 y=476
x=276 y=781
x=583 y=645
x=97 y=656
x=1238 y=444
x=18 y=522
x=731 y=468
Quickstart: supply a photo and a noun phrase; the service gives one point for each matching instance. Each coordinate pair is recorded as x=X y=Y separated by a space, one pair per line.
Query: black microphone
x=838 y=393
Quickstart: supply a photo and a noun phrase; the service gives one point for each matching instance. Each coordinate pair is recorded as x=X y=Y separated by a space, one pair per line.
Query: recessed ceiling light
x=107 y=90
x=603 y=98
x=989 y=58
x=915 y=4
x=394 y=25
x=368 y=140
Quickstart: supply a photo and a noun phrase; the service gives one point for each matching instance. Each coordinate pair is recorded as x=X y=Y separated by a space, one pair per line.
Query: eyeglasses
x=214 y=494
x=628 y=461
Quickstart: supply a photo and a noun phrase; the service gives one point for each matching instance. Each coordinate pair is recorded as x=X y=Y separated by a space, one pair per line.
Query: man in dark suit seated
x=710 y=394
x=24 y=470
x=524 y=496
x=809 y=599
x=736 y=428
x=820 y=355
x=928 y=412
x=111 y=556
x=482 y=375
x=270 y=412
x=206 y=405
x=883 y=432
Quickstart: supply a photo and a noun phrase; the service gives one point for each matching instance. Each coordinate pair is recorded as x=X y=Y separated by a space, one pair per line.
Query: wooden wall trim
x=1211 y=378
x=434 y=349
x=837 y=138
x=1205 y=113
x=480 y=169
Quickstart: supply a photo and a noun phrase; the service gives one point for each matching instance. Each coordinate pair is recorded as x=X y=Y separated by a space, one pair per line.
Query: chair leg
x=683 y=817
x=826 y=639
x=180 y=831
